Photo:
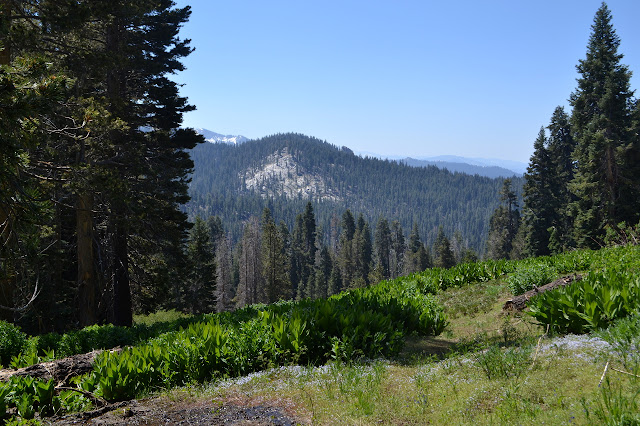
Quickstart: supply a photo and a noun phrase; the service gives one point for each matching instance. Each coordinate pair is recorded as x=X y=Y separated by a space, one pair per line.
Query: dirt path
x=162 y=411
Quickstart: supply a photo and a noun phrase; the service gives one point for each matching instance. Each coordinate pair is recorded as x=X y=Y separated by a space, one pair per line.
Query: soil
x=191 y=411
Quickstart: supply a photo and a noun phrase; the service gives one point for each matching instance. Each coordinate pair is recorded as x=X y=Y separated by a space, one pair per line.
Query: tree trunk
x=518 y=303
x=61 y=370
x=5 y=15
x=88 y=291
x=122 y=311
x=6 y=283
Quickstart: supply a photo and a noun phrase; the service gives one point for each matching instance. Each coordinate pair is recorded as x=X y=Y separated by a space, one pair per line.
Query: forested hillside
x=284 y=171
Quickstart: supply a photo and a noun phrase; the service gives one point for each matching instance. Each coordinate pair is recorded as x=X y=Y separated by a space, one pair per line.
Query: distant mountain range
x=463 y=167
x=284 y=171
x=488 y=167
x=516 y=166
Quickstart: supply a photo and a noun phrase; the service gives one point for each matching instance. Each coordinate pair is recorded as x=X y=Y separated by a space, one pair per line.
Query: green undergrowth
x=486 y=367
x=363 y=323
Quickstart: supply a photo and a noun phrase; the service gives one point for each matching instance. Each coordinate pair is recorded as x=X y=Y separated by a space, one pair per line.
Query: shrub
x=530 y=276
x=587 y=305
x=497 y=363
x=12 y=342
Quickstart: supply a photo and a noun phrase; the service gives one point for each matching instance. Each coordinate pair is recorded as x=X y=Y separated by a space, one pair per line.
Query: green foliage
x=12 y=341
x=361 y=323
x=615 y=407
x=606 y=178
x=624 y=338
x=498 y=363
x=527 y=277
x=592 y=303
x=619 y=403
x=504 y=224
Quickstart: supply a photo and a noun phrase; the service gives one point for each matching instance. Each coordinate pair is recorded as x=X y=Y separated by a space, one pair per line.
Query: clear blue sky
x=398 y=78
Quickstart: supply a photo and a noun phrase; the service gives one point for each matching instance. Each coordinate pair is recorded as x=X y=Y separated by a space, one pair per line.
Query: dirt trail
x=162 y=411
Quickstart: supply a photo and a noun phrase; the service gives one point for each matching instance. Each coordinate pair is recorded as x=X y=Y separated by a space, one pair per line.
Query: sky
x=398 y=78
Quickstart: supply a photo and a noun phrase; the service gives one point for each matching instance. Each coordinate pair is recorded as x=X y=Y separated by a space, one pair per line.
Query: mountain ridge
x=284 y=171
x=489 y=167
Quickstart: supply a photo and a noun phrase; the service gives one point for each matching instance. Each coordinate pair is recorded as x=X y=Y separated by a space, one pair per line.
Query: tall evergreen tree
x=224 y=283
x=504 y=224
x=274 y=261
x=250 y=288
x=303 y=252
x=560 y=148
x=398 y=247
x=416 y=257
x=345 y=249
x=362 y=251
x=322 y=273
x=539 y=203
x=604 y=182
x=443 y=254
x=382 y=244
x=116 y=149
x=200 y=292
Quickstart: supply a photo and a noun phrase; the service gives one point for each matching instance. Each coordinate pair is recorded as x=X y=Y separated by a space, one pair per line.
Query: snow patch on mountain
x=214 y=137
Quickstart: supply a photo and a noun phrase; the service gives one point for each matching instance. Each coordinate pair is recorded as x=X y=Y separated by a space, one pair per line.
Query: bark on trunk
x=5 y=15
x=87 y=287
x=122 y=310
x=6 y=284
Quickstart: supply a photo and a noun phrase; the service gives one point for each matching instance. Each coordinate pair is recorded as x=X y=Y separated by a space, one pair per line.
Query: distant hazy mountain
x=463 y=167
x=517 y=166
x=449 y=162
x=214 y=137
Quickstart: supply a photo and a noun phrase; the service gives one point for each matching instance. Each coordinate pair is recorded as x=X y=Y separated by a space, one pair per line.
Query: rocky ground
x=162 y=411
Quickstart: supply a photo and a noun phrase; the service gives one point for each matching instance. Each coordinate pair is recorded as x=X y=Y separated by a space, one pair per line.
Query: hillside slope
x=284 y=171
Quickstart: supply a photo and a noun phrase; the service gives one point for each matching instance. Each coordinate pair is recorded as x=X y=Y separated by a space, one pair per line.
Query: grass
x=487 y=368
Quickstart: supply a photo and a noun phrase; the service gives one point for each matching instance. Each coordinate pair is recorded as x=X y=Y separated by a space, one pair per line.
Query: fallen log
x=518 y=303
x=60 y=370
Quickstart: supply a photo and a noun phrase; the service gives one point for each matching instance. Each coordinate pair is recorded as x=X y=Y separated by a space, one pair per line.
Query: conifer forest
x=284 y=250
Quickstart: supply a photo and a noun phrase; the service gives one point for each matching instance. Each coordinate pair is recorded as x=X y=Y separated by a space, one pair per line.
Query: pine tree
x=504 y=224
x=416 y=257
x=345 y=249
x=274 y=262
x=224 y=266
x=382 y=244
x=116 y=147
x=323 y=268
x=444 y=257
x=335 y=280
x=398 y=247
x=200 y=294
x=604 y=183
x=539 y=207
x=362 y=253
x=29 y=90
x=560 y=148
x=250 y=284
x=303 y=252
